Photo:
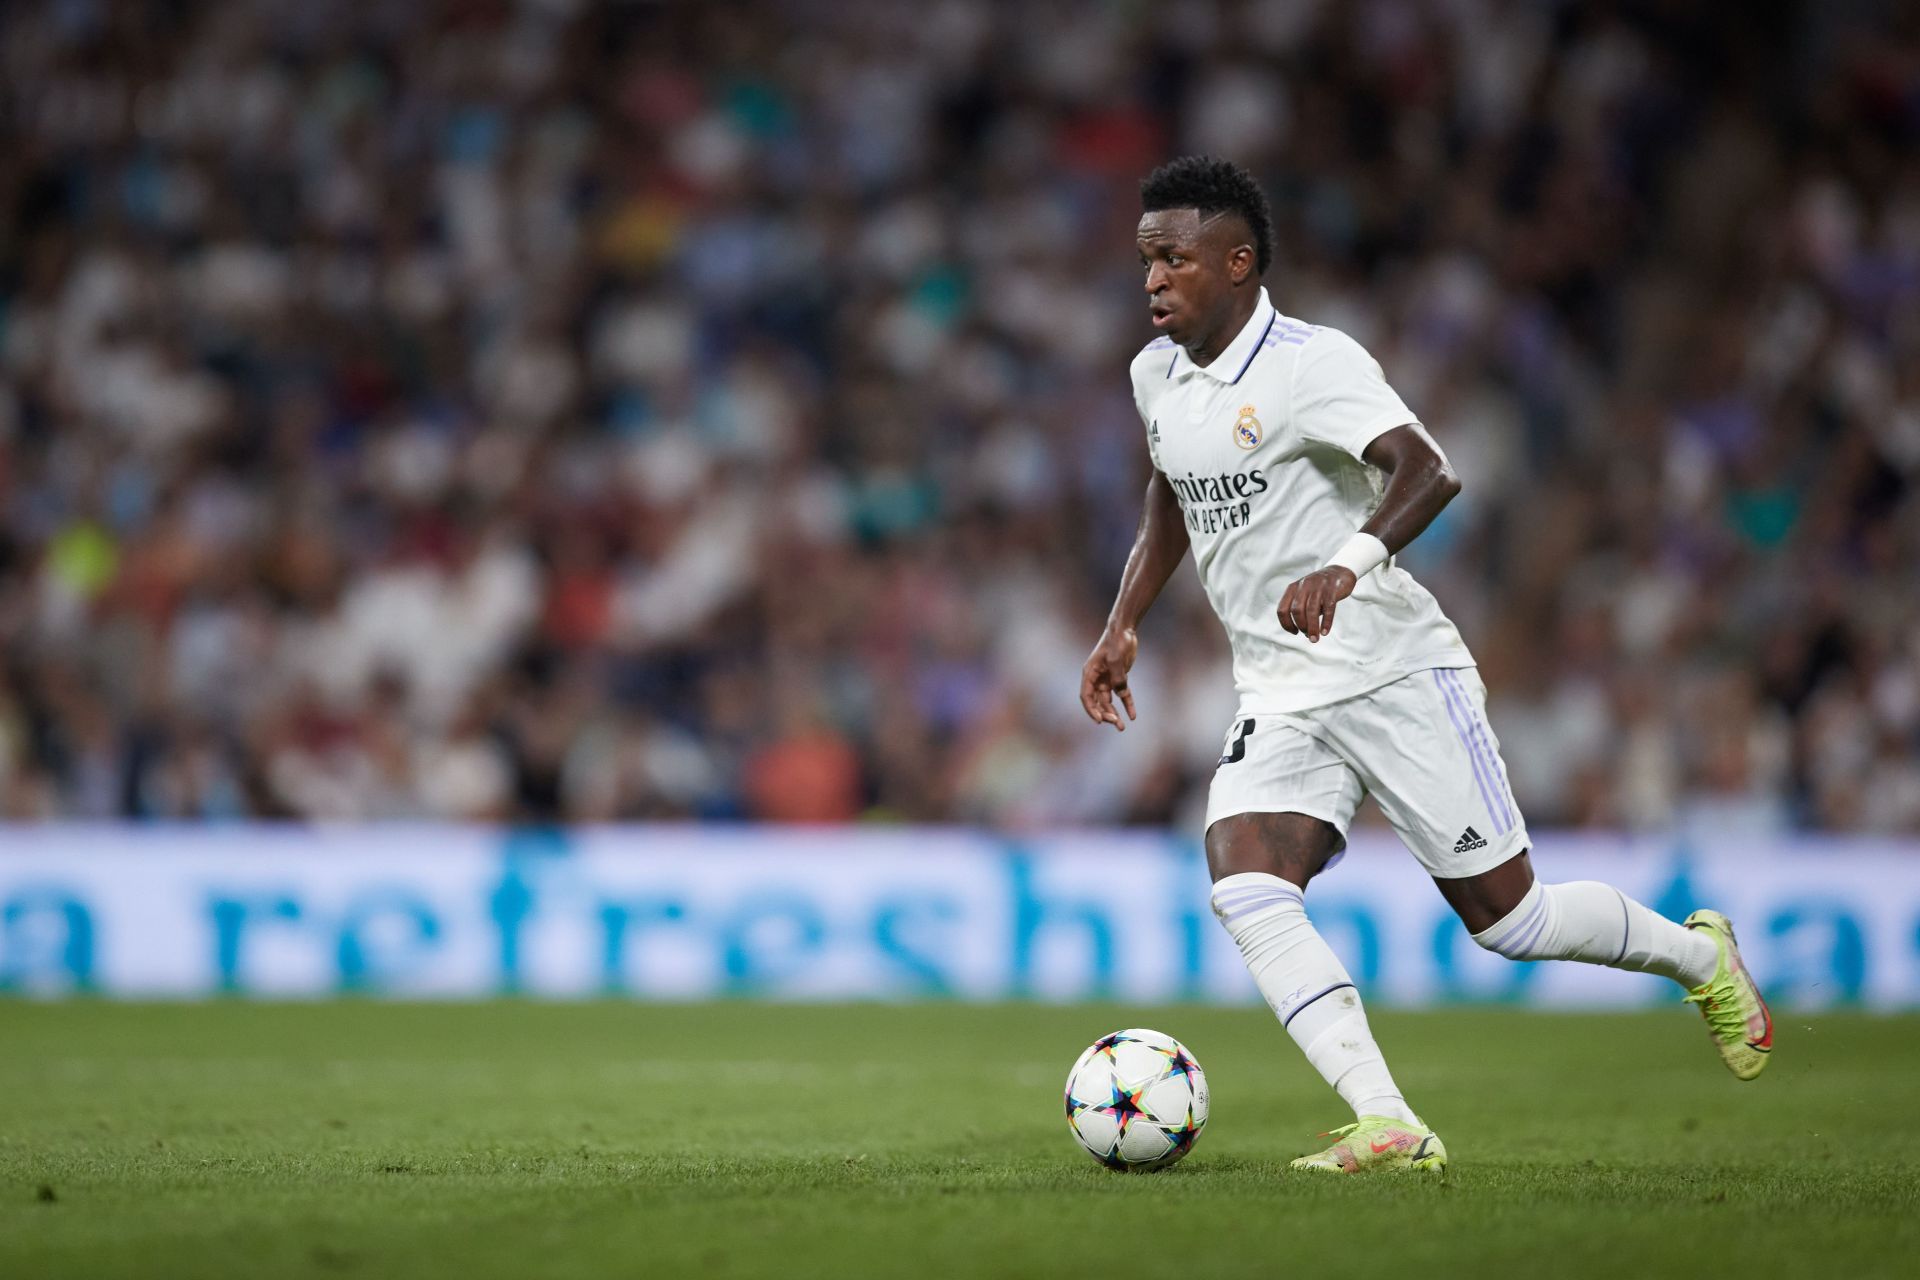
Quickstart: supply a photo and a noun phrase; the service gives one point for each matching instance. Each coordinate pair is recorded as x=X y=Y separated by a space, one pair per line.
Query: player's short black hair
x=1212 y=186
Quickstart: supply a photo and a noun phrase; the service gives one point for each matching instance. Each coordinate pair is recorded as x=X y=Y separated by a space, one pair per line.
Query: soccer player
x=1283 y=459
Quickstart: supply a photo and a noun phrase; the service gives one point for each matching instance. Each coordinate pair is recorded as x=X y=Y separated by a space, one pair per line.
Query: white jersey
x=1263 y=447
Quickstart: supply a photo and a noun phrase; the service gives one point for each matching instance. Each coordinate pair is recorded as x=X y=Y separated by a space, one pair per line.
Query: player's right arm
x=1158 y=545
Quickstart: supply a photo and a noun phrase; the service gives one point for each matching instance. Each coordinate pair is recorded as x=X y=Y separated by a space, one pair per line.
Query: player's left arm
x=1420 y=483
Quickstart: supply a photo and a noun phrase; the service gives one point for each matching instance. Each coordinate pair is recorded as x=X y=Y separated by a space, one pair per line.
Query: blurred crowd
x=534 y=409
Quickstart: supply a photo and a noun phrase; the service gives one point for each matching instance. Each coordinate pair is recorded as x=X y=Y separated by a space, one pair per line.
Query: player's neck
x=1208 y=349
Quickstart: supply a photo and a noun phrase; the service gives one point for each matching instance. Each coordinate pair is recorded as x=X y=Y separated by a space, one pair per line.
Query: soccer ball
x=1136 y=1100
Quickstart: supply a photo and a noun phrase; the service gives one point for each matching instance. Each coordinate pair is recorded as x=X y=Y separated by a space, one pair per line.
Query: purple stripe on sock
x=1267 y=884
x=1262 y=885
x=1241 y=895
x=1533 y=920
x=1473 y=758
x=1520 y=945
x=1247 y=906
x=1253 y=909
x=1234 y=909
x=1484 y=737
x=1239 y=892
x=1533 y=914
x=1310 y=999
x=1270 y=895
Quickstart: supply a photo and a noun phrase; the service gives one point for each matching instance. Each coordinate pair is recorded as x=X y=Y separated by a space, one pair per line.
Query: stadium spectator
x=542 y=410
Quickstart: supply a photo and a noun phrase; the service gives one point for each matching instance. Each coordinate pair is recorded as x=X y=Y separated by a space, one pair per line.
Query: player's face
x=1192 y=263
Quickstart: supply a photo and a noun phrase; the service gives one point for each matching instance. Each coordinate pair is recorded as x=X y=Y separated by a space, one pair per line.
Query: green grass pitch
x=612 y=1140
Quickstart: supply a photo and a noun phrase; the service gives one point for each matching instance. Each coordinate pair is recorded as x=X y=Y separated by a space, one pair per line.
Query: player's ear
x=1240 y=264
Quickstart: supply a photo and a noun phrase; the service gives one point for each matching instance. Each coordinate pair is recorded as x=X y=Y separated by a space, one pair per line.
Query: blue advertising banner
x=869 y=913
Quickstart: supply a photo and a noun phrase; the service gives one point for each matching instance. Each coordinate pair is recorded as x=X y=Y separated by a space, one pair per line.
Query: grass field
x=715 y=1140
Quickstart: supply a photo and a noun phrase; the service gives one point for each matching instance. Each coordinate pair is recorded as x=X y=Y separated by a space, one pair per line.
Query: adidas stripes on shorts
x=1421 y=746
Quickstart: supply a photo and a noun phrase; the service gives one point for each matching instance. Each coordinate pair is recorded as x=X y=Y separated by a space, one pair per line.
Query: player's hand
x=1307 y=607
x=1105 y=674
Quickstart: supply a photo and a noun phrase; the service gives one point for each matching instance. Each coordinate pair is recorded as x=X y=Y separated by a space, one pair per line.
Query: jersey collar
x=1231 y=365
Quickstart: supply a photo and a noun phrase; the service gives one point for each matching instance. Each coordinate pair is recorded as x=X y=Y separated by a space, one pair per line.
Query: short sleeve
x=1340 y=397
x=1143 y=406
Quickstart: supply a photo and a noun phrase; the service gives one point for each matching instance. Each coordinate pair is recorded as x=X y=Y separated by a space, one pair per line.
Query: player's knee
x=1292 y=846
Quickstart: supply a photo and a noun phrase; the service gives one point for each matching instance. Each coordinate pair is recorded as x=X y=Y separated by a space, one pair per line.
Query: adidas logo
x=1469 y=841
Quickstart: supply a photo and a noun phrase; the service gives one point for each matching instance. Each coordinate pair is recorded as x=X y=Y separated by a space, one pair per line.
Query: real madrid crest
x=1246 y=428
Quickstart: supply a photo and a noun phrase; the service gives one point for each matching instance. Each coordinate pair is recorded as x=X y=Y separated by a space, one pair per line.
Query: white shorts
x=1421 y=745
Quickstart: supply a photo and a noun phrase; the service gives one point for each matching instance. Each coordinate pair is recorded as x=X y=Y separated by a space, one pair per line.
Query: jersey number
x=1237 y=749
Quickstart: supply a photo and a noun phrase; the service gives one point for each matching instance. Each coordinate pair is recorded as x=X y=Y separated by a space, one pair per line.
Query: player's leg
x=1261 y=859
x=1444 y=787
x=1260 y=863
x=1510 y=912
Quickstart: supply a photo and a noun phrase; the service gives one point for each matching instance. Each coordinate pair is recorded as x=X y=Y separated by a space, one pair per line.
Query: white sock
x=1597 y=924
x=1308 y=989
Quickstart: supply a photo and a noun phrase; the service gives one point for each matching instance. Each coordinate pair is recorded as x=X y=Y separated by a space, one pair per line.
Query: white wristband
x=1362 y=553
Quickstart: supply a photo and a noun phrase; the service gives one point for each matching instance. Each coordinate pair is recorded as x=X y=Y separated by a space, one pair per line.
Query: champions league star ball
x=1136 y=1100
